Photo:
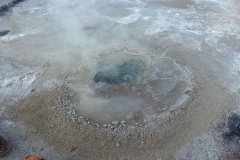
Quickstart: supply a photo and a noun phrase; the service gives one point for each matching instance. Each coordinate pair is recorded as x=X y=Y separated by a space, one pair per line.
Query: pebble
x=123 y=122
x=105 y=125
x=164 y=109
x=123 y=125
x=72 y=94
x=73 y=112
x=117 y=144
x=114 y=122
x=35 y=130
x=79 y=120
x=136 y=124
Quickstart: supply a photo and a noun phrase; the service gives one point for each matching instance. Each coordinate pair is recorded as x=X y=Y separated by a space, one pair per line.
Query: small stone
x=105 y=125
x=79 y=120
x=164 y=109
x=81 y=117
x=189 y=93
x=112 y=126
x=73 y=112
x=117 y=144
x=123 y=122
x=35 y=130
x=140 y=125
x=72 y=94
x=123 y=125
x=136 y=124
x=114 y=122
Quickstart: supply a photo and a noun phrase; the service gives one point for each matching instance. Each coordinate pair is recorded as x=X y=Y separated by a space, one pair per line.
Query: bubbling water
x=132 y=87
x=119 y=73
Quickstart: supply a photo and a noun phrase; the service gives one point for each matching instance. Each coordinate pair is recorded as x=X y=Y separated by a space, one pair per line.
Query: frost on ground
x=17 y=80
x=201 y=147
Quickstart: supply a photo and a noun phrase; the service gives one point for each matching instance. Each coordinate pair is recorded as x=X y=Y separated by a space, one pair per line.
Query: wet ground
x=136 y=79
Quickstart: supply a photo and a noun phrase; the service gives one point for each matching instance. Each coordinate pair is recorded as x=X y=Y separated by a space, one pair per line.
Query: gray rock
x=105 y=125
x=123 y=125
x=72 y=94
x=123 y=122
x=164 y=109
x=114 y=122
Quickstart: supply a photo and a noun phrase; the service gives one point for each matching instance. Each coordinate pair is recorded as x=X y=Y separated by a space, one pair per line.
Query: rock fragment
x=114 y=122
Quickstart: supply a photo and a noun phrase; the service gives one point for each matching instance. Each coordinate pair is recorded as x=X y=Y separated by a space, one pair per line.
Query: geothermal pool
x=132 y=60
x=133 y=87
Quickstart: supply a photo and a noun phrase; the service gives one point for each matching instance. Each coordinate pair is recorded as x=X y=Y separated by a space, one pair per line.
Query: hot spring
x=135 y=87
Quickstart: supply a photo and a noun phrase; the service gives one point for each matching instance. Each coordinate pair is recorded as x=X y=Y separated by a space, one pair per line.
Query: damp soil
x=45 y=116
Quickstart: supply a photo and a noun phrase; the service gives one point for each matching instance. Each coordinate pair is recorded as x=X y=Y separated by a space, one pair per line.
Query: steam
x=86 y=28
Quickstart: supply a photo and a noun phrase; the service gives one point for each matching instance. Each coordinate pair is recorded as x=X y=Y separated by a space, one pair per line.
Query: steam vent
x=134 y=87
